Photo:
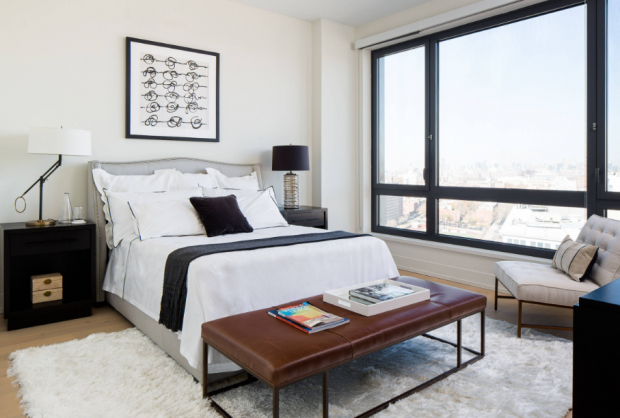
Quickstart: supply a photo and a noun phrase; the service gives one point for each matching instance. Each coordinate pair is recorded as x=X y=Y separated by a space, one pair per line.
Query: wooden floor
x=106 y=319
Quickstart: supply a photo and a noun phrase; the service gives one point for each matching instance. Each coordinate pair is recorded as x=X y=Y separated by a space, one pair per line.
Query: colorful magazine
x=380 y=292
x=308 y=315
x=274 y=313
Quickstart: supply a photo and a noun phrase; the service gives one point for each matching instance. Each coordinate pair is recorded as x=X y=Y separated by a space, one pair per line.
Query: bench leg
x=459 y=343
x=519 y=320
x=205 y=369
x=482 y=330
x=276 y=403
x=325 y=394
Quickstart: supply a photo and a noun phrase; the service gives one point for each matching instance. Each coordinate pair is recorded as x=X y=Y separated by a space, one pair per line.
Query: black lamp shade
x=290 y=157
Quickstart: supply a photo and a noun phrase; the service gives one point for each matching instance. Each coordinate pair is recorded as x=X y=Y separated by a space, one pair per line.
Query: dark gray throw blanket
x=175 y=275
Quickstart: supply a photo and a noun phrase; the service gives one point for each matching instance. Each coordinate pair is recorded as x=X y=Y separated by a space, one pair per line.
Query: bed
x=130 y=276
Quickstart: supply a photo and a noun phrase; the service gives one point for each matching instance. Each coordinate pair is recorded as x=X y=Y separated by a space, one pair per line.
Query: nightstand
x=68 y=250
x=306 y=216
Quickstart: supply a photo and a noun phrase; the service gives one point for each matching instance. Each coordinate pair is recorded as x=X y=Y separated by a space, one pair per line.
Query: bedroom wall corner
x=335 y=123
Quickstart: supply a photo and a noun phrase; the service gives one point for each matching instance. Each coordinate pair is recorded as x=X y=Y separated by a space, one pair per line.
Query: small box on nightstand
x=46 y=289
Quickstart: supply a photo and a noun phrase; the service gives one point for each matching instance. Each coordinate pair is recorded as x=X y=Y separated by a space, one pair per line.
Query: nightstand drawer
x=314 y=218
x=46 y=295
x=46 y=281
x=50 y=242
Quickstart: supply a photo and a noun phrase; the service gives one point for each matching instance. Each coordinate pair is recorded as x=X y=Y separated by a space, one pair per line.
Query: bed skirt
x=163 y=337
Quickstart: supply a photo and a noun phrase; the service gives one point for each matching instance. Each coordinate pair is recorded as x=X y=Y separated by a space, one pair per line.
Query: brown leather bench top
x=280 y=354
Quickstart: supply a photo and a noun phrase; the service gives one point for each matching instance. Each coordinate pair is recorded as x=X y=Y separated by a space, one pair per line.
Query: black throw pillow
x=220 y=215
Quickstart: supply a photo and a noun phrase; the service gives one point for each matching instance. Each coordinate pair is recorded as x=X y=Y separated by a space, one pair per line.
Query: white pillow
x=207 y=192
x=192 y=180
x=261 y=210
x=160 y=182
x=243 y=183
x=173 y=218
x=122 y=220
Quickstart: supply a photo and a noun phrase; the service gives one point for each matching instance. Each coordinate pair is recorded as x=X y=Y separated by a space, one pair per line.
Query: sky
x=511 y=94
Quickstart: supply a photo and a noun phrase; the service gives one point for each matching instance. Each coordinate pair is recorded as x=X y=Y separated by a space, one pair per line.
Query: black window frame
x=593 y=199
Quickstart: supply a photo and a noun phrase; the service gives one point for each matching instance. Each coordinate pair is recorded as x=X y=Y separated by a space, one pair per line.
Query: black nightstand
x=65 y=249
x=306 y=216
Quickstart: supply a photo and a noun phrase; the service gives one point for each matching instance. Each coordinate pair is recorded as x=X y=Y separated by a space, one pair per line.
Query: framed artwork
x=172 y=92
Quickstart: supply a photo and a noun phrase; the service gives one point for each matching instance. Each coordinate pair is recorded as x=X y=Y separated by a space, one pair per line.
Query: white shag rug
x=124 y=374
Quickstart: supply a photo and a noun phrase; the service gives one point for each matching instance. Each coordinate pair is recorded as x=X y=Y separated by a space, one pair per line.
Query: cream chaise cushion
x=603 y=233
x=541 y=283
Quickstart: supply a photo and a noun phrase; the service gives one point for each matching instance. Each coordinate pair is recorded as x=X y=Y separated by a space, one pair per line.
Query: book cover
x=274 y=313
x=380 y=292
x=307 y=315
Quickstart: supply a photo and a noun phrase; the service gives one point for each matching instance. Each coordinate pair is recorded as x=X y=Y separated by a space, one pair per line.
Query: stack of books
x=377 y=293
x=308 y=318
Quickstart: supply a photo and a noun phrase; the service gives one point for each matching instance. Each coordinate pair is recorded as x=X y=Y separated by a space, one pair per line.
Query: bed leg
x=519 y=320
x=205 y=369
x=496 y=291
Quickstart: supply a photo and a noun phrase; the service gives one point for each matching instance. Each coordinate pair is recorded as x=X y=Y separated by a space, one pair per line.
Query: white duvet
x=225 y=284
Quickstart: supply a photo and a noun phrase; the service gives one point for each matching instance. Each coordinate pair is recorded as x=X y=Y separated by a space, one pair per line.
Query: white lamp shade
x=59 y=141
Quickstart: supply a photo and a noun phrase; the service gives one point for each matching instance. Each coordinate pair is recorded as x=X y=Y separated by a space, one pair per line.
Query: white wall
x=335 y=120
x=63 y=63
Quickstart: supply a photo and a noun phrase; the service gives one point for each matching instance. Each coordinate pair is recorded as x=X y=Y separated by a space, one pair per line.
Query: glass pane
x=530 y=225
x=613 y=96
x=403 y=212
x=401 y=118
x=613 y=214
x=512 y=105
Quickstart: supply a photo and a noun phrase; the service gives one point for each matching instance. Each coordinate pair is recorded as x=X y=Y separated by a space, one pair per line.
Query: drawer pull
x=51 y=242
x=306 y=220
x=47 y=281
x=48 y=293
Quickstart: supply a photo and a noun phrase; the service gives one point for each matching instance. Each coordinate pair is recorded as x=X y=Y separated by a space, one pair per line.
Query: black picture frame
x=129 y=83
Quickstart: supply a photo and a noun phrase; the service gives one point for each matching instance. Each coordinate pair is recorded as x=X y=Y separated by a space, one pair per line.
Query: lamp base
x=291 y=191
x=41 y=224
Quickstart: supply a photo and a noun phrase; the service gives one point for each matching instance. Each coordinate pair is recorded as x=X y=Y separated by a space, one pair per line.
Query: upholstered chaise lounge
x=544 y=285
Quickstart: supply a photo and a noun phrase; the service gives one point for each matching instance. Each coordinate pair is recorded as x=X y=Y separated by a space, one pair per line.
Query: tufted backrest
x=605 y=234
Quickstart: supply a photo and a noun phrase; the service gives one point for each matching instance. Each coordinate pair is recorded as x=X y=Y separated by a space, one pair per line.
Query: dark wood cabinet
x=596 y=338
x=65 y=249
x=306 y=216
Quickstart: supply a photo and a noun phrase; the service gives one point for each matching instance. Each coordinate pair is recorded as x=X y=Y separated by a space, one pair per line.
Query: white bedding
x=225 y=284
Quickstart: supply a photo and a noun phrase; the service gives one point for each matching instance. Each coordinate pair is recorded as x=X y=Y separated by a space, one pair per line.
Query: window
x=512 y=105
x=489 y=125
x=403 y=213
x=613 y=97
x=402 y=120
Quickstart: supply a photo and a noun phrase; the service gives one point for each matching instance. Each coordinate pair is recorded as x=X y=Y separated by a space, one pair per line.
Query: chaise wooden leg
x=325 y=394
x=496 y=291
x=519 y=322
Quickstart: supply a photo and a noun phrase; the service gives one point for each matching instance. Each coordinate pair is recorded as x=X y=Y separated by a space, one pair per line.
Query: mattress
x=225 y=284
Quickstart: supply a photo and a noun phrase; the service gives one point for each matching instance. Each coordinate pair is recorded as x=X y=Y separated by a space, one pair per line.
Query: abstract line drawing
x=172 y=92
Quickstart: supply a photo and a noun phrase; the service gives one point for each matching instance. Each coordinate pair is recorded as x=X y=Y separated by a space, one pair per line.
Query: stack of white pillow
x=157 y=205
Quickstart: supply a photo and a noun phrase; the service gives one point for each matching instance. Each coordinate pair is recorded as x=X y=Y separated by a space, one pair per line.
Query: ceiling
x=348 y=12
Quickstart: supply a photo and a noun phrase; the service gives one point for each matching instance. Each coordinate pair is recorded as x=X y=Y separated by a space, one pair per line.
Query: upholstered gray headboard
x=185 y=165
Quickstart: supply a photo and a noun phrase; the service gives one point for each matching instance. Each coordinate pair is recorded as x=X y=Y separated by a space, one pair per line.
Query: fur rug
x=124 y=374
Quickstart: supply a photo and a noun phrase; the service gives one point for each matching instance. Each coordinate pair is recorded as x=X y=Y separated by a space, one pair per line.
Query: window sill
x=461 y=249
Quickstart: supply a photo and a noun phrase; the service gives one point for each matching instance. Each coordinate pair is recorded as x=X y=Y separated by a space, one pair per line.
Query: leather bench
x=279 y=355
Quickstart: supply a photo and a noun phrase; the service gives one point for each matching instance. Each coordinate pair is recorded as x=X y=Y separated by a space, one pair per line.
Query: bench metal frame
x=520 y=323
x=252 y=377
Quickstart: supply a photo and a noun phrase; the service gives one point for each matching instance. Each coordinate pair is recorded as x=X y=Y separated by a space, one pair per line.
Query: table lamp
x=289 y=158
x=56 y=141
